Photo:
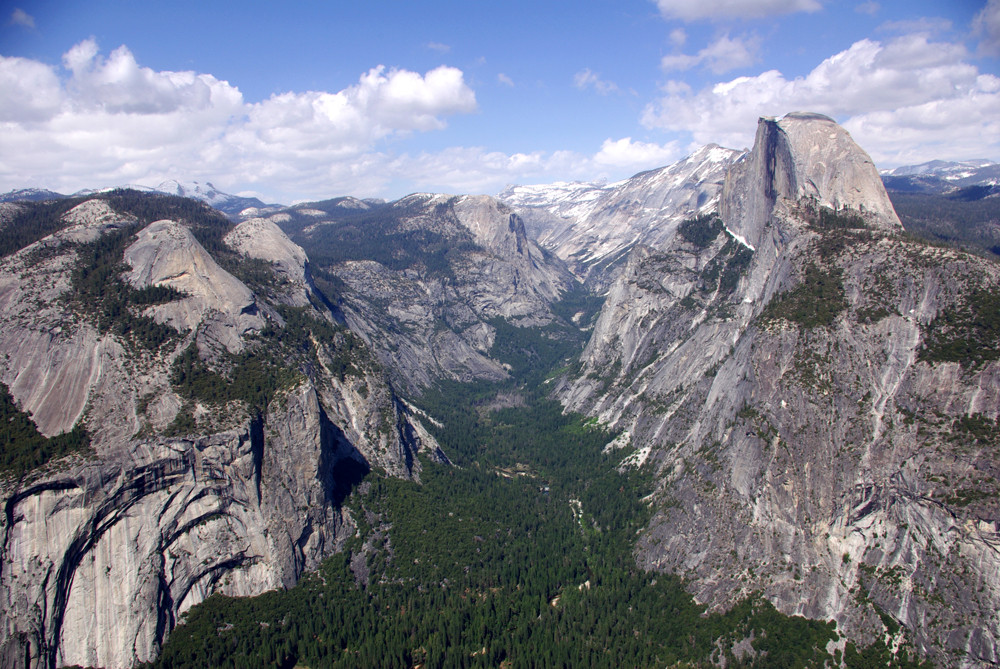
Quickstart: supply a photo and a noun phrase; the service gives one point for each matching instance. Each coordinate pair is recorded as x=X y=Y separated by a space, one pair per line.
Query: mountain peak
x=803 y=155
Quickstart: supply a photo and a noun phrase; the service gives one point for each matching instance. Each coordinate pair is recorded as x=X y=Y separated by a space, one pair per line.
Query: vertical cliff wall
x=794 y=374
x=183 y=493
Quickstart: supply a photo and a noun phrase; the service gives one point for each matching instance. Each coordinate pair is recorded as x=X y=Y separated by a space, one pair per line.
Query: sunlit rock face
x=101 y=552
x=592 y=227
x=783 y=371
x=262 y=239
x=802 y=156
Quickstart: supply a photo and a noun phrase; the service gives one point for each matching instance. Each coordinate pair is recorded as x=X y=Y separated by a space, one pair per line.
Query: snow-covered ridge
x=945 y=177
x=950 y=170
x=591 y=224
x=234 y=206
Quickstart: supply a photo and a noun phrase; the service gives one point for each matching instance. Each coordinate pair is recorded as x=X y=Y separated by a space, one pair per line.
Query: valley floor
x=518 y=555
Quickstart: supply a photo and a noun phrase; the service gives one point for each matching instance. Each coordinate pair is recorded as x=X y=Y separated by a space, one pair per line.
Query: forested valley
x=517 y=554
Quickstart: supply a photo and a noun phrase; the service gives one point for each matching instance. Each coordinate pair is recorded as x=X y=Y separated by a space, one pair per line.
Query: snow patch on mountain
x=593 y=225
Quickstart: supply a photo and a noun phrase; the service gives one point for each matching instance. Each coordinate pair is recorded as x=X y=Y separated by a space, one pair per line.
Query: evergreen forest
x=517 y=554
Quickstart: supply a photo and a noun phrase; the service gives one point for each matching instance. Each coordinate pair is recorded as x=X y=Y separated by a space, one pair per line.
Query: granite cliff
x=228 y=412
x=818 y=395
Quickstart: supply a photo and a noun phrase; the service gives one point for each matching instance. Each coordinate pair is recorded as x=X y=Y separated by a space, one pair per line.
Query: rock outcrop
x=101 y=552
x=794 y=373
x=165 y=253
x=262 y=239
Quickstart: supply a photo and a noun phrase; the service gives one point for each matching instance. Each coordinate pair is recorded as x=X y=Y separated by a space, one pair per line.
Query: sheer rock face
x=100 y=553
x=807 y=445
x=406 y=331
x=49 y=367
x=512 y=277
x=592 y=227
x=802 y=156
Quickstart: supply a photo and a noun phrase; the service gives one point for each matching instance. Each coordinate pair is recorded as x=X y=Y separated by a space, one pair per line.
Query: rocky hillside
x=425 y=279
x=802 y=400
x=819 y=396
x=197 y=416
x=592 y=227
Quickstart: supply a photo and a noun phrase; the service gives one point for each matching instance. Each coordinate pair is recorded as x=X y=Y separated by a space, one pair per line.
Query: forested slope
x=519 y=554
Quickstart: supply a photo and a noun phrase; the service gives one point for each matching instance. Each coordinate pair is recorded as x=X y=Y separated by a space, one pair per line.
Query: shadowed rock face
x=100 y=553
x=808 y=443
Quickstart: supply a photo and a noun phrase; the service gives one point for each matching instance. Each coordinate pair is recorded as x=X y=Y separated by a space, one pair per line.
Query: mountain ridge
x=593 y=227
x=226 y=427
x=772 y=392
x=234 y=206
x=813 y=394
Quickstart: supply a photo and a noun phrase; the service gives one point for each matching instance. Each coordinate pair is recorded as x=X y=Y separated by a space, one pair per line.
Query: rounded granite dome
x=806 y=116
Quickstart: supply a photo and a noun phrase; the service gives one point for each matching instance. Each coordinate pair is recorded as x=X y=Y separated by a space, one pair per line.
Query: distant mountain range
x=963 y=180
x=956 y=203
x=966 y=179
x=233 y=206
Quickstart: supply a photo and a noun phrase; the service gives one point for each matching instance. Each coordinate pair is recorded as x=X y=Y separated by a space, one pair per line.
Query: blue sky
x=307 y=100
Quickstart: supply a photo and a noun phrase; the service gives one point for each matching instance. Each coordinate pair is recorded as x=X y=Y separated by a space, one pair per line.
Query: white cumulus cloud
x=107 y=120
x=634 y=155
x=31 y=91
x=893 y=96
x=118 y=84
x=693 y=10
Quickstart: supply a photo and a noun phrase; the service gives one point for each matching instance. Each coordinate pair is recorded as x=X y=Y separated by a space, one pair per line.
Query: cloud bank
x=906 y=100
x=108 y=120
x=100 y=119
